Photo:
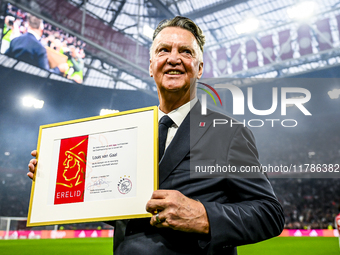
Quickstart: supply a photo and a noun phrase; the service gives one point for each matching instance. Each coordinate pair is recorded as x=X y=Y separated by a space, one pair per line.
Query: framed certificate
x=95 y=169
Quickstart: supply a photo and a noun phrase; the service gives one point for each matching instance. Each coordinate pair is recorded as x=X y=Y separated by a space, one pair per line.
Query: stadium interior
x=118 y=79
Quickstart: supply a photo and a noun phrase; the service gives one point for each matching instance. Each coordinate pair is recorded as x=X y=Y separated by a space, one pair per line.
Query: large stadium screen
x=36 y=42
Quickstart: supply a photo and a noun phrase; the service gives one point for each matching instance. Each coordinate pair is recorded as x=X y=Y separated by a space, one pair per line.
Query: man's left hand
x=178 y=212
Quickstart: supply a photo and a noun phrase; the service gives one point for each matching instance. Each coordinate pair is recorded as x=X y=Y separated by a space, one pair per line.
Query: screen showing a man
x=27 y=47
x=29 y=39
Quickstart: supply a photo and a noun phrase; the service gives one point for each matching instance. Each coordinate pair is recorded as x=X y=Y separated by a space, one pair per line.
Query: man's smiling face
x=176 y=61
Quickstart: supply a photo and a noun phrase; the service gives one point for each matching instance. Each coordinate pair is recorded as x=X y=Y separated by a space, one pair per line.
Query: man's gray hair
x=184 y=23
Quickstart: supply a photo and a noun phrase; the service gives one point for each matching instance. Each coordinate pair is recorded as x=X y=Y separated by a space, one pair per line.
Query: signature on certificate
x=100 y=183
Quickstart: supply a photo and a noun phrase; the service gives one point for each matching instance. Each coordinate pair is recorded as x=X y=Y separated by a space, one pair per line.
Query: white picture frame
x=113 y=179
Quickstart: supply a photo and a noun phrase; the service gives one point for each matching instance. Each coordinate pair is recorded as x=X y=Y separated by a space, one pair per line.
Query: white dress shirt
x=177 y=115
x=34 y=33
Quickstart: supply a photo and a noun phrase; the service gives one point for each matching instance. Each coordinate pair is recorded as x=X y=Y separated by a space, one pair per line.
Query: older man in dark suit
x=28 y=48
x=196 y=215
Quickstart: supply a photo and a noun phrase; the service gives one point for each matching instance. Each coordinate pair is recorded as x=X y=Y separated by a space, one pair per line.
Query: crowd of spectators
x=14 y=193
x=16 y=24
x=69 y=46
x=308 y=203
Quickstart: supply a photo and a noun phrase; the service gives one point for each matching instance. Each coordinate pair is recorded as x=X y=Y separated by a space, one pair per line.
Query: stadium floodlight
x=334 y=94
x=302 y=10
x=247 y=26
x=148 y=31
x=32 y=102
x=107 y=111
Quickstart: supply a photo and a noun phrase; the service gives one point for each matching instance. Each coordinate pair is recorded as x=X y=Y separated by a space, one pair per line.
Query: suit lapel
x=187 y=135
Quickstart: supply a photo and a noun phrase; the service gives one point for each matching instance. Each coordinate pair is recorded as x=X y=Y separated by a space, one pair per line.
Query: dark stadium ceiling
x=222 y=22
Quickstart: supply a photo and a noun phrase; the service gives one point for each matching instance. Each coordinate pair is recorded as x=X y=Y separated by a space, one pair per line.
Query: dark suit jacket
x=28 y=49
x=240 y=210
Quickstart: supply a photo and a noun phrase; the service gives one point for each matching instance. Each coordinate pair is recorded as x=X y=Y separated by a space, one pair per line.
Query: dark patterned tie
x=163 y=127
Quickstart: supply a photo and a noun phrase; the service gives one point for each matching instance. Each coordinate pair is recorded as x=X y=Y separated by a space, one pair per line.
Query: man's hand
x=63 y=67
x=178 y=212
x=32 y=164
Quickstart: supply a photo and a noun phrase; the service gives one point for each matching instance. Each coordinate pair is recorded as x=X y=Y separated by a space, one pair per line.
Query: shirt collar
x=34 y=33
x=179 y=114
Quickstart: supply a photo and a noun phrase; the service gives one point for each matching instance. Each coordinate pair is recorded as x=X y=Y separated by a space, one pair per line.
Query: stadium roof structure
x=244 y=38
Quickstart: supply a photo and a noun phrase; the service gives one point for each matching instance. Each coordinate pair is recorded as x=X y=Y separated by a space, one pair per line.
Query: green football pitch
x=98 y=246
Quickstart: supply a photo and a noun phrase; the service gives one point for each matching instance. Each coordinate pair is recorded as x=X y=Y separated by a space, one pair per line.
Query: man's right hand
x=63 y=67
x=32 y=164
